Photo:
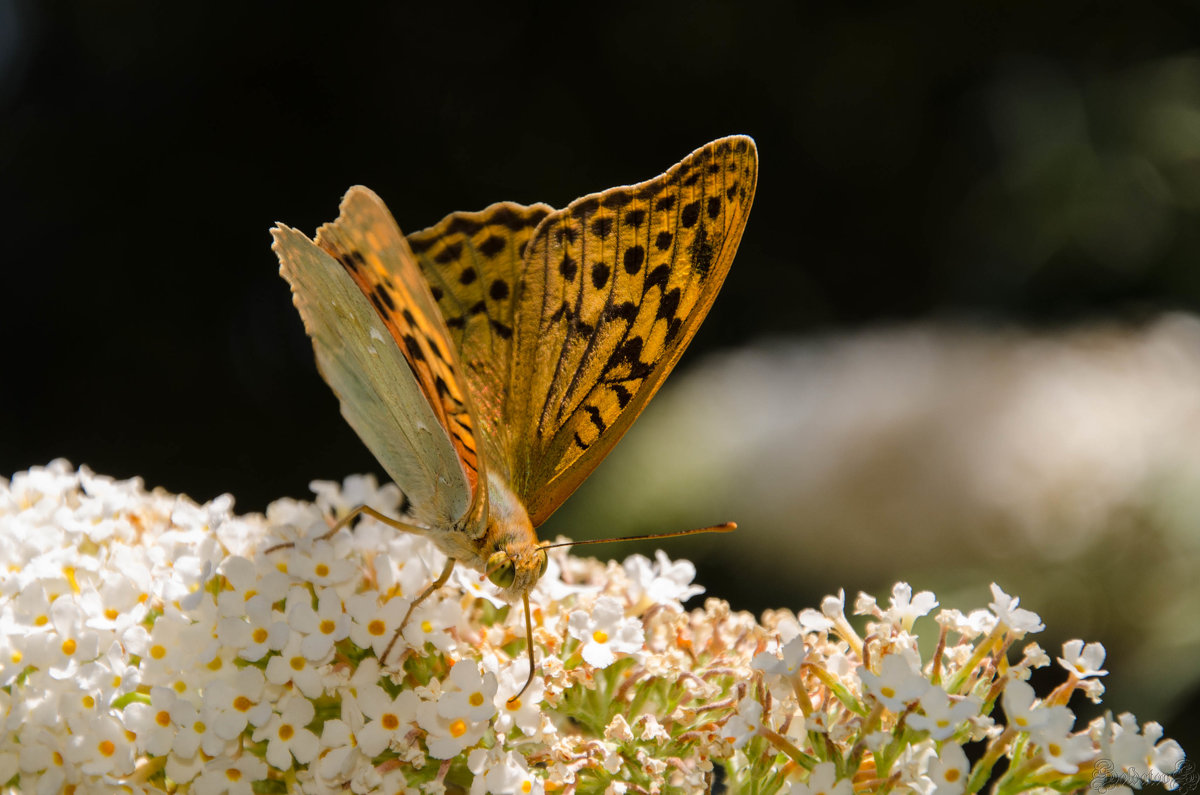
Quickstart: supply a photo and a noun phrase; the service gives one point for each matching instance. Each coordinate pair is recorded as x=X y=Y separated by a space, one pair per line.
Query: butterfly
x=491 y=361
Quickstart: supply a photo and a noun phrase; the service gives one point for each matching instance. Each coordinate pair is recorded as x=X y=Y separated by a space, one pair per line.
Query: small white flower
x=822 y=781
x=447 y=737
x=949 y=770
x=834 y=607
x=229 y=775
x=322 y=627
x=663 y=582
x=468 y=694
x=605 y=631
x=287 y=736
x=1023 y=715
x=291 y=665
x=152 y=724
x=795 y=652
x=429 y=624
x=745 y=724
x=265 y=629
x=388 y=719
x=896 y=685
x=102 y=748
x=500 y=771
x=372 y=623
x=236 y=700
x=1083 y=661
x=1060 y=749
x=978 y=622
x=1018 y=620
x=940 y=716
x=524 y=712
x=905 y=608
x=320 y=564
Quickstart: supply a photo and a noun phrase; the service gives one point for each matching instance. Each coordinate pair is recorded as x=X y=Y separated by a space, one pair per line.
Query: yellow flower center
x=297 y=663
x=390 y=722
x=162 y=718
x=242 y=704
x=233 y=774
x=458 y=728
x=158 y=651
x=260 y=636
x=321 y=570
x=328 y=626
x=106 y=748
x=952 y=775
x=376 y=628
x=286 y=731
x=600 y=636
x=68 y=646
x=476 y=699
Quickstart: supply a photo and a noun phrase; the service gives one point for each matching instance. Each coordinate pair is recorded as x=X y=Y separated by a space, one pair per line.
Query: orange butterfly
x=491 y=361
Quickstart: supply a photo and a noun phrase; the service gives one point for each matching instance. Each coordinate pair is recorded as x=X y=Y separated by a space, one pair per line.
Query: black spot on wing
x=467 y=276
x=498 y=290
x=448 y=254
x=664 y=204
x=602 y=226
x=600 y=273
x=414 y=349
x=492 y=246
x=690 y=214
x=567 y=267
x=461 y=225
x=594 y=415
x=616 y=199
x=663 y=241
x=634 y=257
x=659 y=276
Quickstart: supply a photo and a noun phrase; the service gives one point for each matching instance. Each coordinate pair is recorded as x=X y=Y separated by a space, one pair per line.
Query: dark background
x=998 y=162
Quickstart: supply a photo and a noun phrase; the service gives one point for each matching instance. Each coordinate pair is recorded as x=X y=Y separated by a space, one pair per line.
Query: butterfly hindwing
x=614 y=287
x=379 y=395
x=473 y=263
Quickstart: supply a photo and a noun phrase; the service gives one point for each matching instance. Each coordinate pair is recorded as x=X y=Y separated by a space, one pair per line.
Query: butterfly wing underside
x=613 y=288
x=473 y=262
x=374 y=337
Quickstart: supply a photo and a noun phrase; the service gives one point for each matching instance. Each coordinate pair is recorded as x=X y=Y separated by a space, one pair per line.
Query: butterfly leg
x=346 y=520
x=442 y=579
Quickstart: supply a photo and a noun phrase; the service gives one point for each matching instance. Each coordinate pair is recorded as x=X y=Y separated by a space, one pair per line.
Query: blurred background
x=958 y=344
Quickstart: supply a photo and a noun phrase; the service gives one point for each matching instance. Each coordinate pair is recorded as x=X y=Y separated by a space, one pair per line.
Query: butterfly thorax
x=509 y=547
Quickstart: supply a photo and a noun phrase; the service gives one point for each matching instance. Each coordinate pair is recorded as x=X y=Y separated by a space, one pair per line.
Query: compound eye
x=501 y=570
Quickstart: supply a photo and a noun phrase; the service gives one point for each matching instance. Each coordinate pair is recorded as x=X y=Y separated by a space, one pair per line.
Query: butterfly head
x=516 y=568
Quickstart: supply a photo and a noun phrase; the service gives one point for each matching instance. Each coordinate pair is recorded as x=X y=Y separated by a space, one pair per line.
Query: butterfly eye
x=501 y=570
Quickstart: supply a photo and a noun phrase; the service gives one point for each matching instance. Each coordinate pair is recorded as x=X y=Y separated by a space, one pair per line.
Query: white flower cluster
x=907 y=720
x=153 y=645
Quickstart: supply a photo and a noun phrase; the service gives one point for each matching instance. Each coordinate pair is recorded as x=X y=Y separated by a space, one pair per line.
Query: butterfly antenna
x=725 y=527
x=529 y=646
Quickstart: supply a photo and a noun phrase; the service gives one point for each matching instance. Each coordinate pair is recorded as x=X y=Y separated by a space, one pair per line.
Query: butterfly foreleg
x=442 y=579
x=346 y=520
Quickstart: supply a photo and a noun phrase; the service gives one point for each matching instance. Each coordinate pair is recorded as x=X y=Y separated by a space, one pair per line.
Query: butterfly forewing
x=370 y=374
x=473 y=264
x=614 y=287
